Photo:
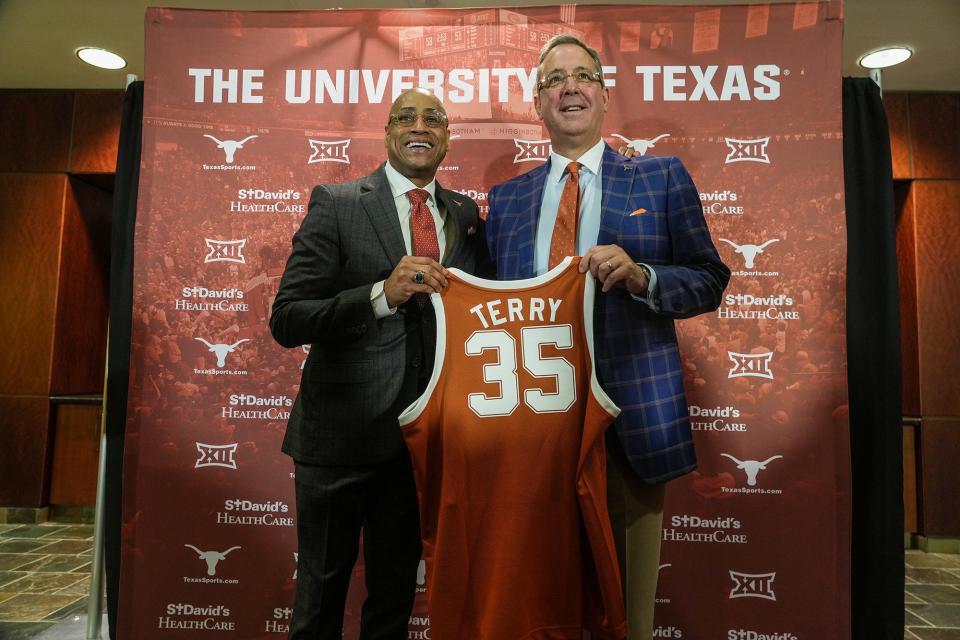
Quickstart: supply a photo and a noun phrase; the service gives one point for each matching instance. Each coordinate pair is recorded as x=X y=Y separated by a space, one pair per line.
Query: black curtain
x=125 y=188
x=873 y=351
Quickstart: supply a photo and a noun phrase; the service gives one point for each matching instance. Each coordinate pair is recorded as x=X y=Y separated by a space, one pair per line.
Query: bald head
x=437 y=105
x=417 y=135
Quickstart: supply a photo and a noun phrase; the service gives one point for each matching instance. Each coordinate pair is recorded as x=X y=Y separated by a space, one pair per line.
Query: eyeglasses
x=433 y=119
x=556 y=78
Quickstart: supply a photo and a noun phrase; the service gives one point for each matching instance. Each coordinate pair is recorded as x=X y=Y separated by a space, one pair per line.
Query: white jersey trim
x=413 y=412
x=526 y=283
x=603 y=399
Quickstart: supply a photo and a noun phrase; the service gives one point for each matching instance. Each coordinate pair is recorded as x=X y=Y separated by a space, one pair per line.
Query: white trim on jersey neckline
x=526 y=283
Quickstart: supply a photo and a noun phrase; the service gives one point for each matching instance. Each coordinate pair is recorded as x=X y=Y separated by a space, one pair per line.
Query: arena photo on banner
x=245 y=112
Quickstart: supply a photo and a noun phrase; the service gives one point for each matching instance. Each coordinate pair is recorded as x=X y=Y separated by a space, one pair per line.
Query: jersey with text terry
x=508 y=453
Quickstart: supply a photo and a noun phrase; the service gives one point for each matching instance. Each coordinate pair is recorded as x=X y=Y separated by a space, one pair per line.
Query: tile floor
x=45 y=577
x=931 y=596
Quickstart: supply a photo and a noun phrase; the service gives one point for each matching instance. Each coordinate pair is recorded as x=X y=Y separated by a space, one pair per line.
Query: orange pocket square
x=638 y=212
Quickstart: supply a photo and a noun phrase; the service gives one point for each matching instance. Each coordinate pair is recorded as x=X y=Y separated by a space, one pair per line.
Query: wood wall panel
x=35 y=130
x=910 y=507
x=83 y=292
x=76 y=447
x=937 y=207
x=907 y=276
x=30 y=225
x=96 y=132
x=24 y=450
x=895 y=105
x=940 y=484
x=935 y=135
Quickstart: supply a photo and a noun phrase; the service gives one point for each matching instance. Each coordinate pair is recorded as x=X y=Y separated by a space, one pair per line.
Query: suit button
x=362 y=329
x=416 y=362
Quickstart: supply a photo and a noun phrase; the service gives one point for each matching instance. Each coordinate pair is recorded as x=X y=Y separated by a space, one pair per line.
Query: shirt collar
x=400 y=184
x=591 y=159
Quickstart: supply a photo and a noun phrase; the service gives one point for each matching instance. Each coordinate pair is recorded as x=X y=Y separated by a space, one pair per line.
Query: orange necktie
x=564 y=240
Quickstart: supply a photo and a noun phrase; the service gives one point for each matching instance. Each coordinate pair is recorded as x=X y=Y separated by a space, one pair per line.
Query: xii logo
x=329 y=151
x=754 y=150
x=212 y=455
x=750 y=365
x=753 y=585
x=225 y=251
x=531 y=150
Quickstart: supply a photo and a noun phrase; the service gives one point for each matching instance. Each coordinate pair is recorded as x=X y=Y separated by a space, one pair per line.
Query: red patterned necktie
x=423 y=231
x=564 y=240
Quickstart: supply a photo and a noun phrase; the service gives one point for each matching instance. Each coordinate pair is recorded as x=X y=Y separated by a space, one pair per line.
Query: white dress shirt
x=399 y=186
x=588 y=225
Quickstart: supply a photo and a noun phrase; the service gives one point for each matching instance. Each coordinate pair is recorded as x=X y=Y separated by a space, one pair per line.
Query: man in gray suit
x=355 y=288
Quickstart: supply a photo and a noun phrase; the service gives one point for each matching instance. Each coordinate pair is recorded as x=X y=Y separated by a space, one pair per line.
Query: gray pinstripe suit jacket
x=361 y=371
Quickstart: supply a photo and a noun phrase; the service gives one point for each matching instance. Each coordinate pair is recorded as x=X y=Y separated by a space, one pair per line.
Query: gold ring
x=609 y=265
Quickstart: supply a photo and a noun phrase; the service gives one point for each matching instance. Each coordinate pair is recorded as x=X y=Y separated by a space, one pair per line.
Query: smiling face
x=416 y=150
x=572 y=112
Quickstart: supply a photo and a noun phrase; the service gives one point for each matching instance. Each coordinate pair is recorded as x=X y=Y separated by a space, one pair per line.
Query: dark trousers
x=333 y=505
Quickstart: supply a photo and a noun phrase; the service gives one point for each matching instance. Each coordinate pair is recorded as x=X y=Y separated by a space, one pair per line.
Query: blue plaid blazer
x=651 y=208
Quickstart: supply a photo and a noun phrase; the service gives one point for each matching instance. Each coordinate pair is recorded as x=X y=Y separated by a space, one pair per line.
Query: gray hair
x=566 y=38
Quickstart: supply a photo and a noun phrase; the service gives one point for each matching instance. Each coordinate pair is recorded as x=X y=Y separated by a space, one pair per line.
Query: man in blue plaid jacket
x=641 y=232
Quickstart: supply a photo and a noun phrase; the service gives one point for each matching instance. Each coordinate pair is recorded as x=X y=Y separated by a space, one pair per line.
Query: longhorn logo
x=225 y=251
x=229 y=146
x=329 y=151
x=212 y=558
x=754 y=150
x=640 y=145
x=752 y=467
x=216 y=455
x=753 y=585
x=750 y=365
x=422 y=573
x=221 y=350
x=749 y=251
x=531 y=150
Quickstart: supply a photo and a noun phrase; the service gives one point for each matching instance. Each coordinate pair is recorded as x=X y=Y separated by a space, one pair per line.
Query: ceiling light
x=885 y=57
x=101 y=58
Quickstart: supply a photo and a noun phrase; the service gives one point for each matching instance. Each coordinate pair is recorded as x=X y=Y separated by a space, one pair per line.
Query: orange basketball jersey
x=508 y=453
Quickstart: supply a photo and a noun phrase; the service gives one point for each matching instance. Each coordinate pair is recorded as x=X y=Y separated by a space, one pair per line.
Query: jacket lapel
x=616 y=180
x=525 y=229
x=460 y=219
x=377 y=201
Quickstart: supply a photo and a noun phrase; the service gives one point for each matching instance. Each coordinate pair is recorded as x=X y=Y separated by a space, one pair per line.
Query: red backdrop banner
x=245 y=112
